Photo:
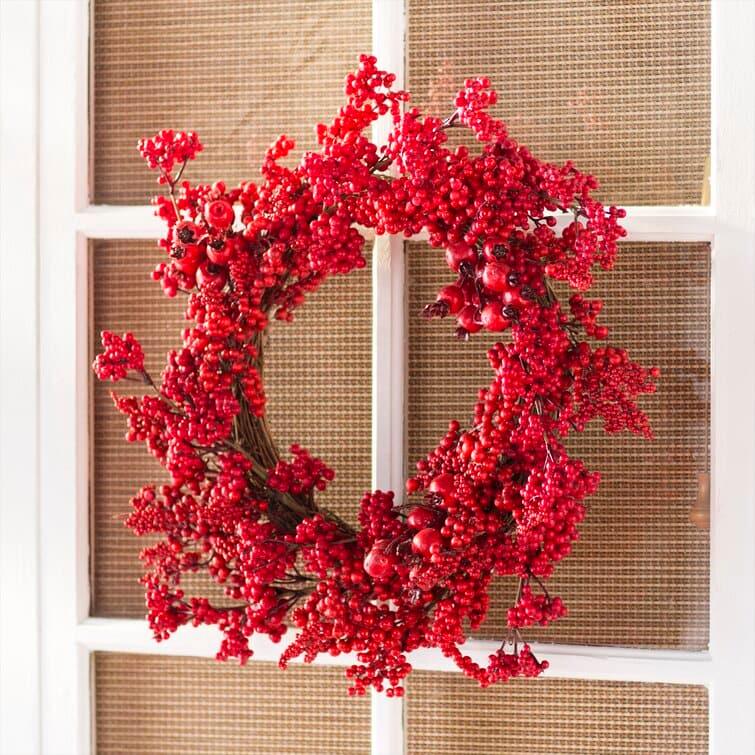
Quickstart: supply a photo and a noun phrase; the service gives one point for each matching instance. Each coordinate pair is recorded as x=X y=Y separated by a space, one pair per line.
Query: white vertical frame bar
x=64 y=535
x=388 y=352
x=732 y=619
x=20 y=728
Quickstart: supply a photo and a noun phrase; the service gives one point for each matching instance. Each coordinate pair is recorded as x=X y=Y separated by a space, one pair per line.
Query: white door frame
x=45 y=646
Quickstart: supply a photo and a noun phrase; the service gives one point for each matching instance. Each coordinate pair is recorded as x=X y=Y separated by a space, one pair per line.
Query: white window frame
x=46 y=701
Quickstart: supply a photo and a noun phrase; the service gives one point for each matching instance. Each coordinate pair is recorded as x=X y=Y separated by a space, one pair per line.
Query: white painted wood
x=63 y=378
x=135 y=636
x=732 y=615
x=388 y=392
x=388 y=353
x=131 y=222
x=584 y=662
x=388 y=364
x=19 y=380
x=112 y=222
x=566 y=661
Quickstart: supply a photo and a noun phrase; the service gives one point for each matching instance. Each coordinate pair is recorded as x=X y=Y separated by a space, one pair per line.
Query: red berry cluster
x=499 y=496
x=168 y=147
x=120 y=356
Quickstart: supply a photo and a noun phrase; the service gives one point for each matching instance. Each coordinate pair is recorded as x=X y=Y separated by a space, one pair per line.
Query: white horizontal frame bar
x=126 y=222
x=130 y=222
x=692 y=223
x=135 y=636
x=688 y=223
x=586 y=662
x=566 y=661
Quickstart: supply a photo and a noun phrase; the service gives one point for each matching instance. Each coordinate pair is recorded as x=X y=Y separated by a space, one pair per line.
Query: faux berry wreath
x=500 y=497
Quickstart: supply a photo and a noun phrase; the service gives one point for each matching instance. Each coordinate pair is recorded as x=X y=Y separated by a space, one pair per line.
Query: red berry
x=377 y=563
x=443 y=485
x=492 y=317
x=466 y=444
x=490 y=250
x=469 y=319
x=218 y=214
x=453 y=296
x=512 y=297
x=426 y=541
x=187 y=257
x=458 y=254
x=421 y=517
x=186 y=232
x=220 y=255
x=210 y=275
x=495 y=276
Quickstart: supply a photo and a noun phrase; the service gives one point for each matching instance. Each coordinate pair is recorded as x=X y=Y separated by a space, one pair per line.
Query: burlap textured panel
x=448 y=714
x=621 y=88
x=152 y=705
x=318 y=378
x=240 y=73
x=639 y=575
x=123 y=298
x=318 y=384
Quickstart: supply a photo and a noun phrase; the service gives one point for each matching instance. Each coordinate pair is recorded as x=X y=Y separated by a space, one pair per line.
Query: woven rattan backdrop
x=151 y=705
x=239 y=73
x=622 y=88
x=639 y=576
x=449 y=715
x=317 y=378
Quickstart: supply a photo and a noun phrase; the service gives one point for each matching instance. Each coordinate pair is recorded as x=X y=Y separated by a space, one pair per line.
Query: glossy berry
x=453 y=297
x=187 y=257
x=442 y=485
x=186 y=232
x=421 y=517
x=377 y=563
x=426 y=541
x=495 y=276
x=458 y=254
x=469 y=319
x=220 y=252
x=492 y=317
x=218 y=214
x=210 y=275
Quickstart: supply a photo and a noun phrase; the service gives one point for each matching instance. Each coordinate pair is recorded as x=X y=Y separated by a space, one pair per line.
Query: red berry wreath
x=497 y=497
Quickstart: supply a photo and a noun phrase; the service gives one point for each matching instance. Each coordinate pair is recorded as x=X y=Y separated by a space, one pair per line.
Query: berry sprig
x=499 y=496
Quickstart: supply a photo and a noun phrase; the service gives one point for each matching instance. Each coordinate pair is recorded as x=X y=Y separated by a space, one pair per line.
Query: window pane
x=639 y=574
x=153 y=704
x=238 y=73
x=317 y=376
x=449 y=714
x=622 y=88
x=123 y=298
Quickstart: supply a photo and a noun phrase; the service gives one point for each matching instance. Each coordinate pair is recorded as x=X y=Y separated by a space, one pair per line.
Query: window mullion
x=388 y=352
